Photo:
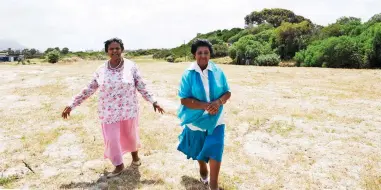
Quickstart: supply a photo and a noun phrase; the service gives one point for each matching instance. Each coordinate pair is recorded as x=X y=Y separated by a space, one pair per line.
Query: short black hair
x=117 y=40
x=201 y=43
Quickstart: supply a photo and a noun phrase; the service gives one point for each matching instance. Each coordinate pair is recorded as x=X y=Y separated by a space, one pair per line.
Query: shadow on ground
x=191 y=183
x=129 y=179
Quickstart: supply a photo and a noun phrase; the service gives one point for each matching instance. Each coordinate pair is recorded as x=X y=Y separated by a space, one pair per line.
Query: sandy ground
x=287 y=128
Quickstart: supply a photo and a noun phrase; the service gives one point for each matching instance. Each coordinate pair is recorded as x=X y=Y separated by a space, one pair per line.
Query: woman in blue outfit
x=203 y=91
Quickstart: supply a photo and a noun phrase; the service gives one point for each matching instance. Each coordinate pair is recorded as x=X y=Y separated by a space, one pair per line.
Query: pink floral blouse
x=117 y=99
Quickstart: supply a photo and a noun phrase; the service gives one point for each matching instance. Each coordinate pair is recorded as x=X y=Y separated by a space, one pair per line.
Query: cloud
x=85 y=24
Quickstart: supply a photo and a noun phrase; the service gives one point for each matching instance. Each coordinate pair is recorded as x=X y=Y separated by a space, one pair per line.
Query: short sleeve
x=226 y=84
x=185 y=86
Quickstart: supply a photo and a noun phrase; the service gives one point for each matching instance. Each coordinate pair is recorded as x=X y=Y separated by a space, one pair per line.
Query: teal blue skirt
x=200 y=146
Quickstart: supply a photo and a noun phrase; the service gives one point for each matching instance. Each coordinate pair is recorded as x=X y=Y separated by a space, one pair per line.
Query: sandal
x=204 y=181
x=136 y=163
x=110 y=175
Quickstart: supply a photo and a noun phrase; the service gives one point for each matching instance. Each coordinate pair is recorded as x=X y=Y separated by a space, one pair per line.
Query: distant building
x=5 y=57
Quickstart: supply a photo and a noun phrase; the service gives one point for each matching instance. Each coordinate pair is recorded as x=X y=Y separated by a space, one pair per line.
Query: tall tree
x=48 y=50
x=290 y=38
x=33 y=51
x=375 y=19
x=273 y=16
x=65 y=50
x=348 y=20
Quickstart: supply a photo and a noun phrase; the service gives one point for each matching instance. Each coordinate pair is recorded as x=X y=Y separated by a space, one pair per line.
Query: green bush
x=275 y=17
x=170 y=59
x=220 y=50
x=299 y=58
x=162 y=54
x=334 y=52
x=253 y=31
x=181 y=51
x=236 y=37
x=267 y=60
x=232 y=52
x=226 y=34
x=375 y=19
x=141 y=52
x=291 y=38
x=65 y=51
x=180 y=59
x=265 y=36
x=53 y=56
x=260 y=28
x=370 y=41
x=218 y=35
x=247 y=49
x=215 y=40
x=253 y=51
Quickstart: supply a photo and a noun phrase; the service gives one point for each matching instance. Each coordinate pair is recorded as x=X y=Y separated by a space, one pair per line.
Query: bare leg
x=214 y=171
x=135 y=156
x=203 y=169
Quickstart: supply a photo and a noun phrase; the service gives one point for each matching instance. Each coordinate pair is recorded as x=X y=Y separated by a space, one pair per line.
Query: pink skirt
x=120 y=138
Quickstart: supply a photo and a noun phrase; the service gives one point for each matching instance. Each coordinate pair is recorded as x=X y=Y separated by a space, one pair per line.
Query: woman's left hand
x=157 y=107
x=214 y=107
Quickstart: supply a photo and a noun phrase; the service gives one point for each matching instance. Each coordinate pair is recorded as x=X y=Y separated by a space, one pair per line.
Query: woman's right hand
x=66 y=112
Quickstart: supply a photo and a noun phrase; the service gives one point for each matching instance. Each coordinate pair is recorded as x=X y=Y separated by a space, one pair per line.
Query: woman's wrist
x=220 y=101
x=71 y=106
x=205 y=106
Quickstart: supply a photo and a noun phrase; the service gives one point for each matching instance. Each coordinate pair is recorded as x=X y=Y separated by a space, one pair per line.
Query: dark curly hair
x=117 y=40
x=201 y=43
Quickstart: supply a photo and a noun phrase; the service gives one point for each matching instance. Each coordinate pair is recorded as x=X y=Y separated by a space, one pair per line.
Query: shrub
x=220 y=50
x=334 y=52
x=53 y=56
x=267 y=60
x=170 y=59
x=247 y=49
x=180 y=59
x=162 y=54
x=232 y=52
x=223 y=60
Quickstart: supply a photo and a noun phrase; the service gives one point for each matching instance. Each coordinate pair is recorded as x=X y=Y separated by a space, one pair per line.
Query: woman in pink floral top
x=117 y=81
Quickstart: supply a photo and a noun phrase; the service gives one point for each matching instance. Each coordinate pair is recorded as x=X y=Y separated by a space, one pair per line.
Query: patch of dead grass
x=37 y=142
x=7 y=181
x=281 y=128
x=51 y=90
x=371 y=175
x=260 y=96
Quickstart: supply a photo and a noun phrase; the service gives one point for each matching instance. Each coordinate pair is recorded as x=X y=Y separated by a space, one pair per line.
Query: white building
x=5 y=57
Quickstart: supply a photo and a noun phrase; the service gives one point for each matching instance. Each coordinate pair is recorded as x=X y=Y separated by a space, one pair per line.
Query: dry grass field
x=287 y=128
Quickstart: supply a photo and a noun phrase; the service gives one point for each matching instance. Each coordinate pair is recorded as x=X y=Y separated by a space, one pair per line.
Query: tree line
x=273 y=35
x=269 y=37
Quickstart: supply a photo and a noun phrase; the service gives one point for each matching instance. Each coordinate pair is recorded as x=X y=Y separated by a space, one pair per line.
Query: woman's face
x=114 y=50
x=202 y=55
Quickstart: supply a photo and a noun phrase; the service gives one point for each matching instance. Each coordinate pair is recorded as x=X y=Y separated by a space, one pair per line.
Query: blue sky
x=85 y=24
